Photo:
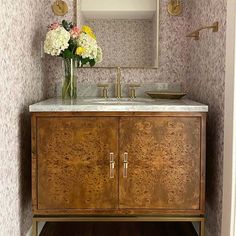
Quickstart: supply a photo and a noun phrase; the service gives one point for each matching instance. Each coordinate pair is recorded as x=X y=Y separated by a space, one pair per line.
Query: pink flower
x=54 y=26
x=75 y=32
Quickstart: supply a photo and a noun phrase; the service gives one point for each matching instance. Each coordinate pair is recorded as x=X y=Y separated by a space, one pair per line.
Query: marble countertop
x=114 y=105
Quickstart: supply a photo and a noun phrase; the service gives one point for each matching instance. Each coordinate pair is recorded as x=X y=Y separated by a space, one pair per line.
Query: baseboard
x=40 y=227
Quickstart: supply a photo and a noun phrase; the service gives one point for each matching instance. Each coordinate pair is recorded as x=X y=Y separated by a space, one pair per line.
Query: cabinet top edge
x=118 y=114
x=154 y=106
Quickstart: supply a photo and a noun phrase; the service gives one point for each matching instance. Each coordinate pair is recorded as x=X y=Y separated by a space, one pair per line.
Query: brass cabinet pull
x=112 y=165
x=125 y=171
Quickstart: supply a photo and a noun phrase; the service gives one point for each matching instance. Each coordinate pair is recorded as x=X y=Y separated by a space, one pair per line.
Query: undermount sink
x=117 y=100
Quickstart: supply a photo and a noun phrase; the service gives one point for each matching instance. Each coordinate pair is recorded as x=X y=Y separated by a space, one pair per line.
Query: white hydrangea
x=89 y=44
x=99 y=55
x=56 y=41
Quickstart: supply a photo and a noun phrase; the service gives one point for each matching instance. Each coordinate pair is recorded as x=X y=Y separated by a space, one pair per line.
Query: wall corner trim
x=229 y=182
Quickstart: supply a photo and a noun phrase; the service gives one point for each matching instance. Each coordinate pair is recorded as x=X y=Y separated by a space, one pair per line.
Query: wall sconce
x=175 y=7
x=60 y=8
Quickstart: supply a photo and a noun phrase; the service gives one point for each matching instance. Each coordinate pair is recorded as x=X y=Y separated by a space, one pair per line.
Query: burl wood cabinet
x=118 y=167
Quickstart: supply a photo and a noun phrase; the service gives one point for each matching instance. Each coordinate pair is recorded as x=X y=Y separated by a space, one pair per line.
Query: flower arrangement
x=69 y=42
x=78 y=47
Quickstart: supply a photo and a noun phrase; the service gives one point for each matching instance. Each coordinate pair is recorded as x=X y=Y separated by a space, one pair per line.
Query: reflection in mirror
x=126 y=30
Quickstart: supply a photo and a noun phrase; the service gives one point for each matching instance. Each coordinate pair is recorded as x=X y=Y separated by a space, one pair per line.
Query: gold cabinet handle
x=112 y=166
x=125 y=170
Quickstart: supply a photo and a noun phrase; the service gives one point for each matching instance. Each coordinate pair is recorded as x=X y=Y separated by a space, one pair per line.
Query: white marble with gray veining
x=92 y=90
x=113 y=105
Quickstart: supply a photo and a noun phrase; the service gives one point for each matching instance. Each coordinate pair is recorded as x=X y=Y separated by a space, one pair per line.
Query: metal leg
x=202 y=228
x=35 y=228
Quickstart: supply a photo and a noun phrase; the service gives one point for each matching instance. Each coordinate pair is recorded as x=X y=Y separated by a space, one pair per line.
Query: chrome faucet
x=118 y=83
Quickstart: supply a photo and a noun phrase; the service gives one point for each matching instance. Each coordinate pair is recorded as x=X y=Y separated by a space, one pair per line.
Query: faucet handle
x=132 y=87
x=104 y=90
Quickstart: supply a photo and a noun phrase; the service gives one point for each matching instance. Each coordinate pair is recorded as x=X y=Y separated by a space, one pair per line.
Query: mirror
x=126 y=30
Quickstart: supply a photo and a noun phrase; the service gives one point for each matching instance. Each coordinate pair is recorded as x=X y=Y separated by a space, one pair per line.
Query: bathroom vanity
x=118 y=160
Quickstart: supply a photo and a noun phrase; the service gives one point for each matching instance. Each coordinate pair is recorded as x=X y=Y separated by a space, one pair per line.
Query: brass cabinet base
x=200 y=220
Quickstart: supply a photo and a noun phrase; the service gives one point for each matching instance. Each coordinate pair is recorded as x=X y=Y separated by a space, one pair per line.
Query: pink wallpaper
x=124 y=42
x=173 y=56
x=206 y=83
x=20 y=85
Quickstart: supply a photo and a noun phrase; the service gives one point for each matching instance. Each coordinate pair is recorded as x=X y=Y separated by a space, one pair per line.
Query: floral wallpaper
x=206 y=83
x=131 y=35
x=21 y=84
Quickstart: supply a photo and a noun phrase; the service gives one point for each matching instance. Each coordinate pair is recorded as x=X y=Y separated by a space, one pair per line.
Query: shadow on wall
x=25 y=171
x=214 y=167
x=29 y=96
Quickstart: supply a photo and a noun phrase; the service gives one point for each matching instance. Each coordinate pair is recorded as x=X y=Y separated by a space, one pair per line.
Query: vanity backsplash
x=92 y=90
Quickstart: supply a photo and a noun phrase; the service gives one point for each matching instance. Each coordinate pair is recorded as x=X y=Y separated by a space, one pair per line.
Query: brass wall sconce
x=60 y=8
x=196 y=34
x=175 y=7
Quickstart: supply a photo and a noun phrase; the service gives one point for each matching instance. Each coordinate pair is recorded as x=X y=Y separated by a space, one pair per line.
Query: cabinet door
x=163 y=163
x=73 y=163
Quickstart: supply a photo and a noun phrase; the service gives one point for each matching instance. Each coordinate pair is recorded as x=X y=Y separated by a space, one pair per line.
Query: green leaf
x=92 y=62
x=72 y=45
x=71 y=25
x=67 y=54
x=84 y=60
x=67 y=25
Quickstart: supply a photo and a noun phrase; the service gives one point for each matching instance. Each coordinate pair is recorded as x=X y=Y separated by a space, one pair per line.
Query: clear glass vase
x=69 y=87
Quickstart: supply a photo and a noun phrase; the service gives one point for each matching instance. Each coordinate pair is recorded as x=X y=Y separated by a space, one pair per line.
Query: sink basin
x=118 y=101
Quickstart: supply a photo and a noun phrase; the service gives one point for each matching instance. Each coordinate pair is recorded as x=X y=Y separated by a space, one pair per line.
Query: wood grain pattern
x=64 y=196
x=108 y=212
x=117 y=114
x=74 y=163
x=34 y=162
x=203 y=163
x=118 y=229
x=164 y=162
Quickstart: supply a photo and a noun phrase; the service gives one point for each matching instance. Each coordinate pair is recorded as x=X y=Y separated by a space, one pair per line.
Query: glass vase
x=69 y=87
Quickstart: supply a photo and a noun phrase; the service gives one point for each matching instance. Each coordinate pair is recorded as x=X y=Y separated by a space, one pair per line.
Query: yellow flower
x=80 y=51
x=86 y=29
